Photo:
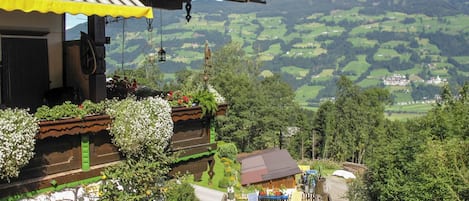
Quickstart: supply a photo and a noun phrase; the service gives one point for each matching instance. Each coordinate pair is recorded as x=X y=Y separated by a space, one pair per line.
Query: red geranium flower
x=186 y=99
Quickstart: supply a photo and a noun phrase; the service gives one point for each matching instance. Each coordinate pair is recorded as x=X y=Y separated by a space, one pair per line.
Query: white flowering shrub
x=141 y=128
x=17 y=131
x=218 y=98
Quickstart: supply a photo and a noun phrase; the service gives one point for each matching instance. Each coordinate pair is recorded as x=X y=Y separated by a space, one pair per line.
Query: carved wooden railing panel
x=58 y=152
x=192 y=113
x=73 y=126
x=102 y=150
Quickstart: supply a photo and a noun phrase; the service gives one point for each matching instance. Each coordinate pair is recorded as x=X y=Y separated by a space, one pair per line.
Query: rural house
x=34 y=58
x=271 y=169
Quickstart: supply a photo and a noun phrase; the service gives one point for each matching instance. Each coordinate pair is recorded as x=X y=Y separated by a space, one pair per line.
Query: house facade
x=34 y=58
x=32 y=52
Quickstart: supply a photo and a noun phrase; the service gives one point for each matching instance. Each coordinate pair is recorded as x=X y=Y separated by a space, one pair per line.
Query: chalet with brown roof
x=272 y=168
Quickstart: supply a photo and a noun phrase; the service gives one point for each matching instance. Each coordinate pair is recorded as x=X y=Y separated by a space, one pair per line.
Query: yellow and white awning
x=114 y=8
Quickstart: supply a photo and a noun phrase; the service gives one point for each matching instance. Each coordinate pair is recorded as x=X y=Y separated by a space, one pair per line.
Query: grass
x=326 y=167
x=462 y=59
x=412 y=71
x=402 y=116
x=266 y=73
x=362 y=42
x=295 y=71
x=306 y=92
x=379 y=73
x=326 y=73
x=384 y=54
x=306 y=52
x=369 y=83
x=422 y=108
x=402 y=97
x=218 y=169
x=358 y=67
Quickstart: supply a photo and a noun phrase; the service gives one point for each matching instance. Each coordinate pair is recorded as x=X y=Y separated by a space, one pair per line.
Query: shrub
x=228 y=150
x=68 y=109
x=141 y=128
x=224 y=182
x=228 y=171
x=17 y=131
x=180 y=191
x=135 y=179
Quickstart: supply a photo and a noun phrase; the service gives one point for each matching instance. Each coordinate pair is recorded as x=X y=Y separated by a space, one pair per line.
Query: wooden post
x=312 y=147
x=97 y=80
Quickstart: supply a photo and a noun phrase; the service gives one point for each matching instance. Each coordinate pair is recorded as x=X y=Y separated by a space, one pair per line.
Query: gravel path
x=207 y=194
x=337 y=187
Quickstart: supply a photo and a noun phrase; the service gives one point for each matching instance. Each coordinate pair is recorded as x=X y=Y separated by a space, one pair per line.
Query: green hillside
x=312 y=42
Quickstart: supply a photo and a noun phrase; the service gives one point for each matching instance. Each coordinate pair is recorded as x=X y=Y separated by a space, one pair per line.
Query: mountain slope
x=312 y=42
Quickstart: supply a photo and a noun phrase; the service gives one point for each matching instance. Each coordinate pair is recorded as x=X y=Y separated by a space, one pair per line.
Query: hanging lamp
x=161 y=52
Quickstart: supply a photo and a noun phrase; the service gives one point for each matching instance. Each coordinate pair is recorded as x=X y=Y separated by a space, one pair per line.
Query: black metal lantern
x=161 y=55
x=161 y=52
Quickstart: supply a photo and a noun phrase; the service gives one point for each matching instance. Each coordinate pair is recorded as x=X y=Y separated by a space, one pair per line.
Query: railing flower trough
x=78 y=149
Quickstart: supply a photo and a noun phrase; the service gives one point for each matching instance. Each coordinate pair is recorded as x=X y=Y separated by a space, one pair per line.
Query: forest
x=423 y=158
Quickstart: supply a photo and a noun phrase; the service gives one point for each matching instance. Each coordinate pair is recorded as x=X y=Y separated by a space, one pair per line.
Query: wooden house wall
x=74 y=77
x=287 y=182
x=16 y=22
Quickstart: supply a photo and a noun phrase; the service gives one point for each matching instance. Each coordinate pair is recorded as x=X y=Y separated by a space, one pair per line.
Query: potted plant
x=71 y=119
x=206 y=101
x=277 y=193
x=17 y=131
x=142 y=126
x=179 y=99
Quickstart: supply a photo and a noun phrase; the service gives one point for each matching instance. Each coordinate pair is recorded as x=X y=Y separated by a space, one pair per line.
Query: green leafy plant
x=206 y=101
x=68 y=109
x=136 y=179
x=142 y=130
x=224 y=182
x=17 y=131
x=180 y=190
x=90 y=107
x=228 y=150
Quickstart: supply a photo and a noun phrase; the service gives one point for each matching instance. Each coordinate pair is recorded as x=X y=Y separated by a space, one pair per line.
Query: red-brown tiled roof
x=267 y=165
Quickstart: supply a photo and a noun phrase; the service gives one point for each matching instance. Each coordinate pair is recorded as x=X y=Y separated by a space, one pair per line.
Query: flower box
x=193 y=113
x=73 y=126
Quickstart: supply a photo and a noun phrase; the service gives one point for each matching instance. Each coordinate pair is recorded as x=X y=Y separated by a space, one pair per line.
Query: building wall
x=35 y=21
x=287 y=182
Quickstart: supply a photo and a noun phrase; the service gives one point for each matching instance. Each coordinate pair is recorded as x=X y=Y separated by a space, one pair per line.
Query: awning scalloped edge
x=73 y=7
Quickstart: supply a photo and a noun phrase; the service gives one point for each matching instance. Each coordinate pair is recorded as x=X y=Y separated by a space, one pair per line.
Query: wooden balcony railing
x=74 y=149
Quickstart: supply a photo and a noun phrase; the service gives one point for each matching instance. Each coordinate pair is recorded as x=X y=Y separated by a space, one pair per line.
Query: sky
x=73 y=20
